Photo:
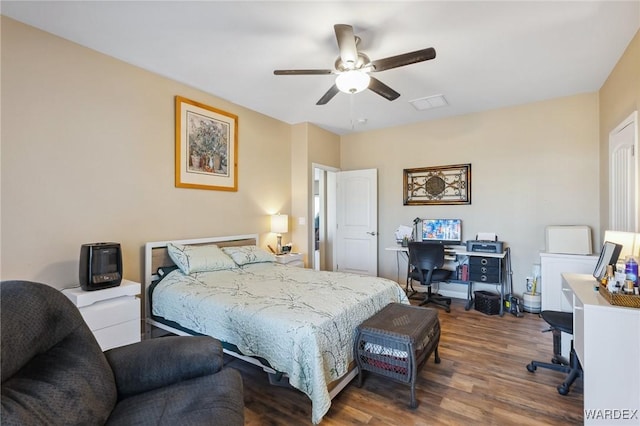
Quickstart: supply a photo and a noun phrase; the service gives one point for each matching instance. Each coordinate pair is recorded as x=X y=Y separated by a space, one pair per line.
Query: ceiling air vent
x=435 y=101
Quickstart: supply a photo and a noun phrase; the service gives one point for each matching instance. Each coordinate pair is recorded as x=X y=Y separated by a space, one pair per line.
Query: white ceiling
x=489 y=54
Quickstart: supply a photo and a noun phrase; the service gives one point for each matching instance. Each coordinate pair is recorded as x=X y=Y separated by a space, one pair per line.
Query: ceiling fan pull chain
x=351 y=101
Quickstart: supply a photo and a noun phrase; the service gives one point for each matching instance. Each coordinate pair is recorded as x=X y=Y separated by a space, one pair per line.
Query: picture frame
x=438 y=185
x=608 y=256
x=206 y=147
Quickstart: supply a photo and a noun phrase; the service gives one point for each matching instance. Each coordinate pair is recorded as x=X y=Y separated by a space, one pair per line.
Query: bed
x=293 y=322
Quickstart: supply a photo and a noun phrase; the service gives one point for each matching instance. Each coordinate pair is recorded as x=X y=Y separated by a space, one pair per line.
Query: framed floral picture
x=437 y=185
x=206 y=147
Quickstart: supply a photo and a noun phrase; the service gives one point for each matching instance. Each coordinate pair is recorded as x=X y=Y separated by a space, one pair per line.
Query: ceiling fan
x=353 y=67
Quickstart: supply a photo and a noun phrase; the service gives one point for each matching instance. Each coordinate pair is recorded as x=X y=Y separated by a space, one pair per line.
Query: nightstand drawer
x=111 y=312
x=291 y=259
x=118 y=335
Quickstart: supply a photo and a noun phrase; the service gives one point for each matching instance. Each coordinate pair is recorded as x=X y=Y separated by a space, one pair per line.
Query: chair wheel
x=531 y=368
x=563 y=390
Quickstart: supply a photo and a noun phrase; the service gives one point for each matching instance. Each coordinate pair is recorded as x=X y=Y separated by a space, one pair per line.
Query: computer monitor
x=444 y=231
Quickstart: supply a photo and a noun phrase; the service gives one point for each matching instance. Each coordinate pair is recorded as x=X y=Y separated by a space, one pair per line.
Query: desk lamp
x=279 y=226
x=630 y=243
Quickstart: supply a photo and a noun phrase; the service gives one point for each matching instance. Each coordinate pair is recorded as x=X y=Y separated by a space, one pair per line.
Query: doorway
x=324 y=217
x=353 y=247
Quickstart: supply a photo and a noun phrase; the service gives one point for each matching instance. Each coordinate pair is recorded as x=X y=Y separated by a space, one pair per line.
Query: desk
x=457 y=253
x=607 y=340
x=450 y=255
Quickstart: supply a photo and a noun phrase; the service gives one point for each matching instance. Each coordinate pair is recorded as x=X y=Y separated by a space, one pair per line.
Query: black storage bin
x=487 y=302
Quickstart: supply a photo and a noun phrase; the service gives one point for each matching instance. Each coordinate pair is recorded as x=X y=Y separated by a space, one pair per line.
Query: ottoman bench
x=396 y=342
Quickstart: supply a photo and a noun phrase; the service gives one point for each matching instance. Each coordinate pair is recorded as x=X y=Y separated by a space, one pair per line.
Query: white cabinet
x=112 y=314
x=291 y=259
x=607 y=341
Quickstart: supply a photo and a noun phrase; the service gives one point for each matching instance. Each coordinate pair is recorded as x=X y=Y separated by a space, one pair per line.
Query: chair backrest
x=425 y=258
x=426 y=255
x=53 y=370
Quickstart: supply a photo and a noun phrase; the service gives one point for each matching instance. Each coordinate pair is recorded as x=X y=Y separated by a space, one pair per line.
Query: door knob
x=373 y=233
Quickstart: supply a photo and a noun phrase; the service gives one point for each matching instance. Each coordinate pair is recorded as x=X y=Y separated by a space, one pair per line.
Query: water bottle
x=631 y=269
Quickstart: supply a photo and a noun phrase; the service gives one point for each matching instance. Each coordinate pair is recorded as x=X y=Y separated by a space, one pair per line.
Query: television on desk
x=443 y=231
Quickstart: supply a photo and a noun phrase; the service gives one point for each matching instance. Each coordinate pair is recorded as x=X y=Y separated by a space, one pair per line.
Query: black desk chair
x=560 y=322
x=426 y=261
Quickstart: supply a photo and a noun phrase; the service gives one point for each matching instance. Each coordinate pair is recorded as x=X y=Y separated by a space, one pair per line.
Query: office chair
x=560 y=322
x=426 y=261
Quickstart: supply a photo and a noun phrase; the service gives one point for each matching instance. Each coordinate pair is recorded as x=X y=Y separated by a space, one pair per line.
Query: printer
x=485 y=243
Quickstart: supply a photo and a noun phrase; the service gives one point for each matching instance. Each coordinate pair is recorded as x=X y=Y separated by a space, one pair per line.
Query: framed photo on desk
x=608 y=256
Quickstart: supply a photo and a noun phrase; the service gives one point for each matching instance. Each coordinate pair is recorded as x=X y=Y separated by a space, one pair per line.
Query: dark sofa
x=54 y=372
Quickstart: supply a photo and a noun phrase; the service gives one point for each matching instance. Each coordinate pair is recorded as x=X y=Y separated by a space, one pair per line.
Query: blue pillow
x=244 y=255
x=199 y=258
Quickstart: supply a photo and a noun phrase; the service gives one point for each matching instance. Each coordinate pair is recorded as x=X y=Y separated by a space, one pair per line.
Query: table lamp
x=279 y=226
x=630 y=242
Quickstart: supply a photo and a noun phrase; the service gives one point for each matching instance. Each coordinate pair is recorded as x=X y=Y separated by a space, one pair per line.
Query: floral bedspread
x=301 y=321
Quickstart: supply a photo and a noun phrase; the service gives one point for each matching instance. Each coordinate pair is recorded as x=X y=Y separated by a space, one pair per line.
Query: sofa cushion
x=213 y=399
x=161 y=362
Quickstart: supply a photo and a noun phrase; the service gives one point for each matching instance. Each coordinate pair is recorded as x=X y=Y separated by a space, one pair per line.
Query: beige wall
x=618 y=98
x=310 y=144
x=532 y=165
x=300 y=178
x=88 y=154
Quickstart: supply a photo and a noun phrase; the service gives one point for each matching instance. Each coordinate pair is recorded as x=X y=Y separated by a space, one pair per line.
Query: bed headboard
x=156 y=254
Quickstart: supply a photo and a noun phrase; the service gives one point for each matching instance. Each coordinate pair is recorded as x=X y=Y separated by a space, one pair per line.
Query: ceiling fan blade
x=404 y=59
x=346 y=44
x=382 y=89
x=333 y=90
x=302 y=72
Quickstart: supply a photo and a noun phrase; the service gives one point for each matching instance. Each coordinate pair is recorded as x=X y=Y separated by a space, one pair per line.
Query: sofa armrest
x=151 y=364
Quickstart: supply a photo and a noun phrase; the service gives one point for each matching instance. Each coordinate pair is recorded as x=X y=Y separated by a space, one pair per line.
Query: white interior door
x=623 y=179
x=357 y=222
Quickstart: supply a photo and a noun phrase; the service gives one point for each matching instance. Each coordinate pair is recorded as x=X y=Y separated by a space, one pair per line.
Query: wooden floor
x=482 y=380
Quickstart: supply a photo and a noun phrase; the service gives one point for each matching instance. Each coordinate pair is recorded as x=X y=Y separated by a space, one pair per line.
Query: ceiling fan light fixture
x=353 y=81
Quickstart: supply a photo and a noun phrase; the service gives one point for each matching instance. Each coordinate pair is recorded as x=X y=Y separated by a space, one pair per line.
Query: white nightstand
x=112 y=314
x=291 y=259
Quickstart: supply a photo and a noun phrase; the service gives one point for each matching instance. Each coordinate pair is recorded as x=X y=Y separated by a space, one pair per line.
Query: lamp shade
x=279 y=223
x=353 y=81
x=630 y=242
